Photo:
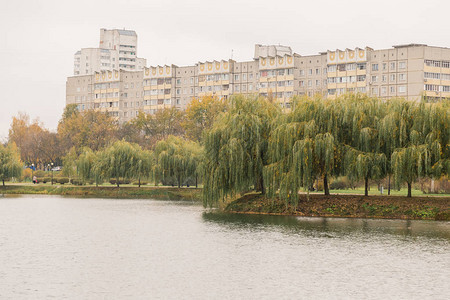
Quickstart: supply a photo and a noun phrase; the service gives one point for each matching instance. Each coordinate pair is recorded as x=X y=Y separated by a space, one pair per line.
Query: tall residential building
x=411 y=71
x=117 y=51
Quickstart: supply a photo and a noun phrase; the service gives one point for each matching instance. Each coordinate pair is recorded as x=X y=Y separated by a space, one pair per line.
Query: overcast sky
x=39 y=38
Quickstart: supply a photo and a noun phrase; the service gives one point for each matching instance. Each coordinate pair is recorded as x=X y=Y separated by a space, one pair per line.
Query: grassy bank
x=127 y=192
x=350 y=206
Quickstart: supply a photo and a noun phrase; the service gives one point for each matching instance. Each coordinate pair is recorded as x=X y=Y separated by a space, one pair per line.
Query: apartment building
x=413 y=71
x=117 y=51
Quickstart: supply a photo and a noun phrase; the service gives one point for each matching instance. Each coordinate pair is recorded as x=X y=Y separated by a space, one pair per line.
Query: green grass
x=374 y=191
x=109 y=191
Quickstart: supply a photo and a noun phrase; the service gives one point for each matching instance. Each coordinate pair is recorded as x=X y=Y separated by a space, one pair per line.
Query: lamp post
x=52 y=173
x=32 y=169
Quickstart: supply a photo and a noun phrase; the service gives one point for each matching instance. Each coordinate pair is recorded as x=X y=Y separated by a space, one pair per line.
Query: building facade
x=117 y=51
x=411 y=71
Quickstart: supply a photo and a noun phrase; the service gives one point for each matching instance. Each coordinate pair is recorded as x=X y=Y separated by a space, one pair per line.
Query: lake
x=75 y=248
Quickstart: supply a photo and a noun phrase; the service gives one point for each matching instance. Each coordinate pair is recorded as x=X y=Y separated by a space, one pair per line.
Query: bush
x=121 y=181
x=39 y=173
x=62 y=180
x=46 y=179
x=340 y=183
x=26 y=174
x=142 y=183
x=76 y=182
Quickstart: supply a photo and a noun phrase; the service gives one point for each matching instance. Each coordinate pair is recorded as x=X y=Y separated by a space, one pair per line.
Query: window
x=402 y=89
x=302 y=72
x=317 y=82
x=317 y=71
x=361 y=66
x=383 y=90
x=310 y=72
x=236 y=77
x=374 y=78
x=374 y=67
x=402 y=77
x=392 y=89
x=392 y=77
x=332 y=68
x=402 y=65
x=244 y=77
x=374 y=91
x=350 y=67
x=383 y=78
x=309 y=83
x=384 y=66
x=236 y=88
x=301 y=83
x=392 y=65
x=250 y=87
x=178 y=91
x=361 y=77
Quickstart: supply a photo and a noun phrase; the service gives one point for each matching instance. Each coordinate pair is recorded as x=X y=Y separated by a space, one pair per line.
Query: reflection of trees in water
x=331 y=227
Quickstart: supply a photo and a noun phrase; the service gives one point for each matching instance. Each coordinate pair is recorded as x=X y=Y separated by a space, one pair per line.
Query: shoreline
x=347 y=206
x=125 y=192
x=332 y=206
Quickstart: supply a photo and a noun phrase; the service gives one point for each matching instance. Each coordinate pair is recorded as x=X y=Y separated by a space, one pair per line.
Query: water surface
x=55 y=247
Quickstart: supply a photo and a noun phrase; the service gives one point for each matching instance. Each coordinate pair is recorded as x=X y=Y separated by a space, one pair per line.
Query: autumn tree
x=160 y=125
x=92 y=129
x=200 y=115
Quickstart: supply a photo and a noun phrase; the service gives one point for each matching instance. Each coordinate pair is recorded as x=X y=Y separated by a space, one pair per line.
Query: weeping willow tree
x=303 y=147
x=236 y=148
x=176 y=157
x=88 y=167
x=365 y=165
x=10 y=164
x=143 y=167
x=419 y=135
x=410 y=163
x=120 y=160
x=69 y=163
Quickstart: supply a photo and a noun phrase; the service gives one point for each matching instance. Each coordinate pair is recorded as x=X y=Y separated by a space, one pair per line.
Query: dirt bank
x=350 y=206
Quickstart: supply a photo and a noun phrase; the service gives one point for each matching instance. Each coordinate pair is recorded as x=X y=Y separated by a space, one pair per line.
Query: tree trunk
x=179 y=181
x=261 y=183
x=366 y=186
x=117 y=181
x=3 y=182
x=409 y=190
x=139 y=181
x=389 y=185
x=196 y=181
x=325 y=185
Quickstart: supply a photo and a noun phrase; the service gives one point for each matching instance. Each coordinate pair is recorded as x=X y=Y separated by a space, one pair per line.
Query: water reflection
x=331 y=227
